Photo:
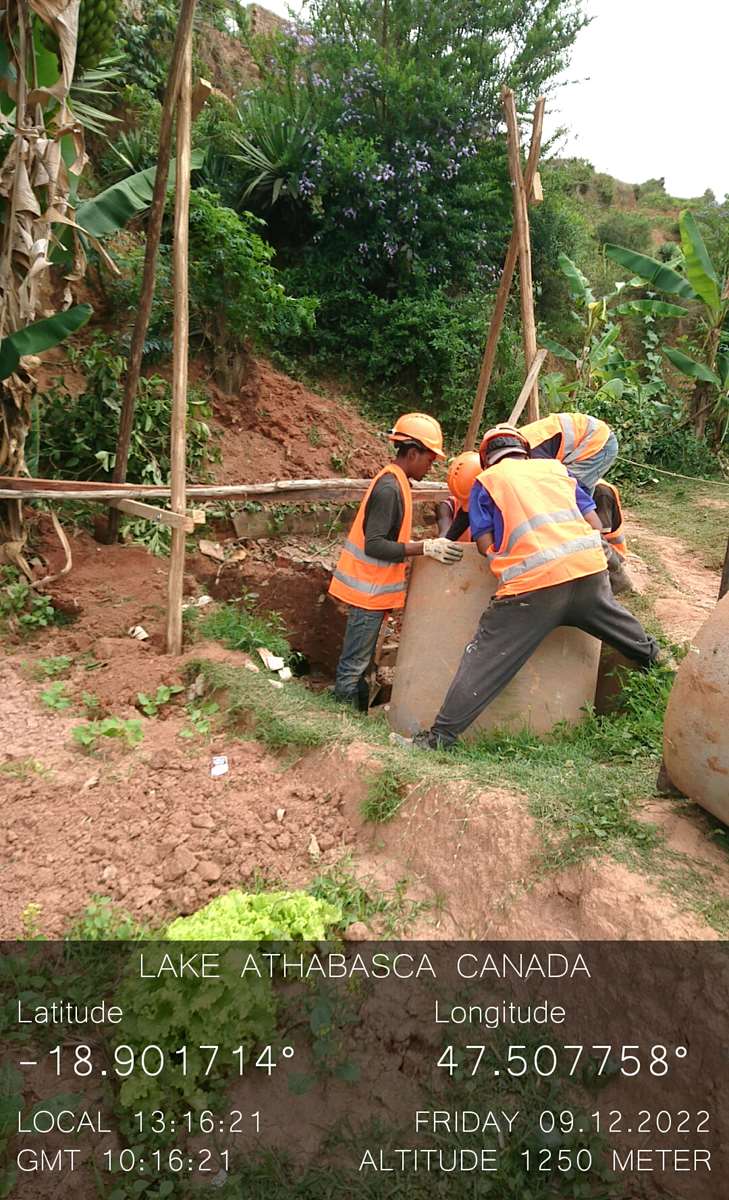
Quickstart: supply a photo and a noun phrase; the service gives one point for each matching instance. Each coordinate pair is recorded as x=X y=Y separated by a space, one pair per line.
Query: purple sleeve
x=480 y=511
x=585 y=502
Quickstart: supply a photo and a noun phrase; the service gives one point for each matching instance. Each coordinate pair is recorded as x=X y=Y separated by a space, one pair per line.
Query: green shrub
x=234 y=288
x=102 y=921
x=625 y=229
x=78 y=431
x=88 y=734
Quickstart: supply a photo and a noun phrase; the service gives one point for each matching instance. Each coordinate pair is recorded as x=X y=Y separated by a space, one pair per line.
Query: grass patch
x=385 y=794
x=24 y=768
x=238 y=628
x=674 y=507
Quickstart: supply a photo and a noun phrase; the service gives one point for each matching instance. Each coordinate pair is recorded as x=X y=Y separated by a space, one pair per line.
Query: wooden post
x=178 y=425
x=724 y=585
x=502 y=295
x=154 y=230
x=521 y=220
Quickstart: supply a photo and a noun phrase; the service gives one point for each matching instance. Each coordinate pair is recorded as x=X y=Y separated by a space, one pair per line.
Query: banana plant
x=703 y=286
x=601 y=365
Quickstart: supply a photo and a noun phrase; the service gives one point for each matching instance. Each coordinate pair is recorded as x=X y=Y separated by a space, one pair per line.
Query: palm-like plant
x=703 y=285
x=277 y=137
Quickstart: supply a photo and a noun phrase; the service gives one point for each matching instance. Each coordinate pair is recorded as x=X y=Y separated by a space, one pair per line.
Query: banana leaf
x=722 y=363
x=113 y=208
x=578 y=284
x=689 y=366
x=661 y=277
x=653 y=308
x=699 y=267
x=558 y=350
x=40 y=336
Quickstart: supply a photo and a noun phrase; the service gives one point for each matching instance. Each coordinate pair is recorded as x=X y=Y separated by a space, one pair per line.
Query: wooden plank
x=281 y=491
x=724 y=585
x=537 y=194
x=159 y=516
x=153 y=233
x=181 y=325
x=502 y=295
x=529 y=382
x=521 y=220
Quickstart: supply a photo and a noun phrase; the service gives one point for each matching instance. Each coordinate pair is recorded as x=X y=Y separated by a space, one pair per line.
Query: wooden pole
x=154 y=230
x=521 y=220
x=178 y=425
x=724 y=585
x=529 y=382
x=502 y=295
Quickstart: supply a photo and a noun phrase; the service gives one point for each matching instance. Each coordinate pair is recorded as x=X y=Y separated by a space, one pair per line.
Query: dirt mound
x=276 y=428
x=148 y=827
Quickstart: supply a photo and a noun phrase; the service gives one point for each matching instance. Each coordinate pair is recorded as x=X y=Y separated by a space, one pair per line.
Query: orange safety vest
x=616 y=537
x=367 y=582
x=582 y=436
x=455 y=507
x=546 y=539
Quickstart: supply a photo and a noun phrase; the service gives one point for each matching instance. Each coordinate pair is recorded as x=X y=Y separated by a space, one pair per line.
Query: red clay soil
x=276 y=428
x=148 y=827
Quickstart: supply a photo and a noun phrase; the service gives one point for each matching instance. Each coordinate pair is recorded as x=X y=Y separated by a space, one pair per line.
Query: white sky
x=649 y=97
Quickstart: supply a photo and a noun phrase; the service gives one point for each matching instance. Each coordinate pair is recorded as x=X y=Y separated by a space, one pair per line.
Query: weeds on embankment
x=583 y=784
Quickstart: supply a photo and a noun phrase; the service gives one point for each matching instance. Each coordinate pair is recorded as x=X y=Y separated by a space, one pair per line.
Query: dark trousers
x=510 y=631
x=358 y=650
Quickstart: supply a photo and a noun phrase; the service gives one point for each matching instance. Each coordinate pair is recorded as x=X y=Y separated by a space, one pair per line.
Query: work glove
x=442 y=550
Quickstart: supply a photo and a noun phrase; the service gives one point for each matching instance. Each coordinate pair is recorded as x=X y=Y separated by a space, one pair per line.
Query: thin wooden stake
x=529 y=383
x=521 y=220
x=502 y=295
x=181 y=318
x=724 y=585
x=154 y=230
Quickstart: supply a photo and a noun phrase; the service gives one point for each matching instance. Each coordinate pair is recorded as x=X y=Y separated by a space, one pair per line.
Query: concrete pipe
x=441 y=616
x=696 y=730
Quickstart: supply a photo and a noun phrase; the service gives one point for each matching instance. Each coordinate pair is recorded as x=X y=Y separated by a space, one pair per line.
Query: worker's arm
x=384 y=513
x=482 y=518
x=458 y=526
x=592 y=519
x=443 y=516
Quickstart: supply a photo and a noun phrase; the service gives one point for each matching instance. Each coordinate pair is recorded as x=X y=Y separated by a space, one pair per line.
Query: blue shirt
x=484 y=516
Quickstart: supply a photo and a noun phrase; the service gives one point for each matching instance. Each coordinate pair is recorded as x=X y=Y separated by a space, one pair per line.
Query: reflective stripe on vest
x=359 y=578
x=581 y=435
x=616 y=537
x=546 y=539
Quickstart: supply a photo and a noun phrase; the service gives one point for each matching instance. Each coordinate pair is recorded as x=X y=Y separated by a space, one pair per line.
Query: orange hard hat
x=419 y=427
x=462 y=474
x=500 y=440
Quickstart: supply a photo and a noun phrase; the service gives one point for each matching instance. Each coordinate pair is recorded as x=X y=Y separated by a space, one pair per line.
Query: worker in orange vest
x=586 y=445
x=610 y=512
x=452 y=514
x=539 y=530
x=370 y=575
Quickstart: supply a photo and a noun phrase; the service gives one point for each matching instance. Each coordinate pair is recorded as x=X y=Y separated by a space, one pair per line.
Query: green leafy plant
x=11 y=1103
x=88 y=735
x=48 y=668
x=40 y=335
x=256 y=917
x=703 y=284
x=78 y=432
x=23 y=609
x=200 y=715
x=54 y=696
x=151 y=705
x=102 y=921
x=92 y=706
